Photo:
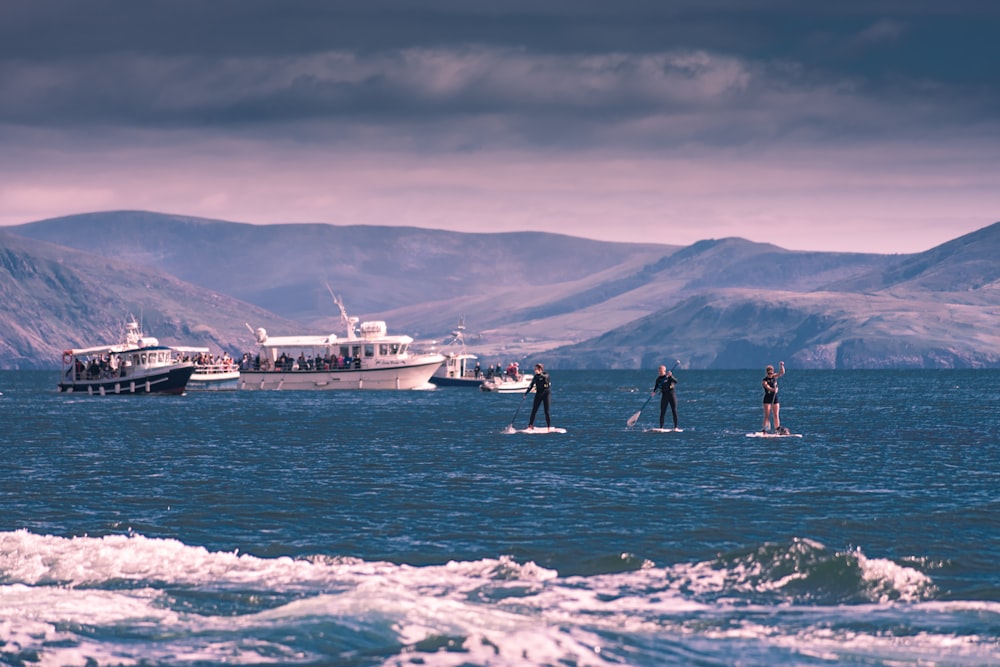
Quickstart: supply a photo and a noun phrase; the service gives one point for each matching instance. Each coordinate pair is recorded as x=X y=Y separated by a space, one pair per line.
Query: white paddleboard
x=759 y=434
x=539 y=429
x=666 y=430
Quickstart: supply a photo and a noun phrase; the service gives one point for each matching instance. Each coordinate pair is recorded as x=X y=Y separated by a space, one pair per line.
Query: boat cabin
x=330 y=353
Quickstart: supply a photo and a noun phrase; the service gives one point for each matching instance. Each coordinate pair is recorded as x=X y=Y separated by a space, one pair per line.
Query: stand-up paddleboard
x=665 y=430
x=538 y=429
x=761 y=434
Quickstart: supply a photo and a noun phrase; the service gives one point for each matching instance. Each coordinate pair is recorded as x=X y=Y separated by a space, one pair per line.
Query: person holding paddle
x=543 y=392
x=771 y=404
x=665 y=383
x=634 y=418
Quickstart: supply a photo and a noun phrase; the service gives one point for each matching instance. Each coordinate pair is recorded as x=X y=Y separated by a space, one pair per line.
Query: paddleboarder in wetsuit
x=771 y=404
x=665 y=383
x=543 y=391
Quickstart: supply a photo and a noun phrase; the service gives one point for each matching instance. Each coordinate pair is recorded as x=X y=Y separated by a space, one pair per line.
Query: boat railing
x=216 y=368
x=283 y=366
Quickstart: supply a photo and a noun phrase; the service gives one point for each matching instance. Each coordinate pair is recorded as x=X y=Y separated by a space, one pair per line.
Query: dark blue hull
x=456 y=382
x=171 y=380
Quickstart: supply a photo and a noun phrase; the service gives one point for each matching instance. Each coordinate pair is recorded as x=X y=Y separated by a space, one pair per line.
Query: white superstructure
x=367 y=358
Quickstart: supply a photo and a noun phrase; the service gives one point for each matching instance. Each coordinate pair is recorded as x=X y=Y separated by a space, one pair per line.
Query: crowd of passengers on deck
x=209 y=359
x=104 y=366
x=110 y=366
x=513 y=372
x=301 y=363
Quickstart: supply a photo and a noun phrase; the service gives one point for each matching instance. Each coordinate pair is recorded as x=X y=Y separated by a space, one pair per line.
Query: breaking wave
x=132 y=599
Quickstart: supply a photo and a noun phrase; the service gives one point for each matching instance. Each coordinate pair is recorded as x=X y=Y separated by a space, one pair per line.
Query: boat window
x=142 y=358
x=369 y=350
x=402 y=349
x=383 y=350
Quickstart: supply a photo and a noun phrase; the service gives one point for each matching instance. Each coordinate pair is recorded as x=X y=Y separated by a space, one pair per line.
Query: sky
x=863 y=126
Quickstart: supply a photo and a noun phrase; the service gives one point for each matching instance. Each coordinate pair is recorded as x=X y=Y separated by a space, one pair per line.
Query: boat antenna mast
x=348 y=322
x=458 y=335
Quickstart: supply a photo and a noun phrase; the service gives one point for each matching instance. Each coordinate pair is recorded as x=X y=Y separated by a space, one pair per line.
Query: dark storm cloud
x=929 y=31
x=453 y=76
x=856 y=125
x=247 y=62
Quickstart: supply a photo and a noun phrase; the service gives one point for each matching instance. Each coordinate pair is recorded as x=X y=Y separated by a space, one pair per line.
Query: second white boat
x=369 y=359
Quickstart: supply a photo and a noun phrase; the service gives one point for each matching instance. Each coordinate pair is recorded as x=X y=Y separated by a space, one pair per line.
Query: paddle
x=634 y=418
x=510 y=427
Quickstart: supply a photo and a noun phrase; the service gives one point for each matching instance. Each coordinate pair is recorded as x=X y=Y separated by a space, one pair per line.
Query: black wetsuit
x=770 y=390
x=665 y=385
x=543 y=390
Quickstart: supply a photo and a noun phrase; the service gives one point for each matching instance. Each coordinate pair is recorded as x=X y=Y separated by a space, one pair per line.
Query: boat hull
x=456 y=382
x=411 y=376
x=168 y=380
x=507 y=385
x=457 y=371
x=229 y=381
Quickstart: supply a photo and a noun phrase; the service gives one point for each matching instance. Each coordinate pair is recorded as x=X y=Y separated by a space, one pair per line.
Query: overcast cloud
x=866 y=126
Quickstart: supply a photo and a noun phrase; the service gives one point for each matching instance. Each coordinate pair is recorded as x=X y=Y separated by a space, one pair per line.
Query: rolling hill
x=56 y=298
x=719 y=303
x=285 y=267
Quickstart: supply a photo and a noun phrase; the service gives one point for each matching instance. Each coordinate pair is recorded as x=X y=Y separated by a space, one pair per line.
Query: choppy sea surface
x=406 y=528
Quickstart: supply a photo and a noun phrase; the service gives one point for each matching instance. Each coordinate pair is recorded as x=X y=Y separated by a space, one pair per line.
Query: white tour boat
x=210 y=373
x=459 y=368
x=508 y=382
x=505 y=384
x=371 y=359
x=139 y=365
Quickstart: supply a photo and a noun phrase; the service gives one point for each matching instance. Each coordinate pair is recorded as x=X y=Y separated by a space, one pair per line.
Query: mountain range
x=571 y=302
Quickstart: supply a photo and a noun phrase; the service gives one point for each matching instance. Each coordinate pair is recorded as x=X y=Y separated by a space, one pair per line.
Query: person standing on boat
x=665 y=383
x=543 y=392
x=771 y=404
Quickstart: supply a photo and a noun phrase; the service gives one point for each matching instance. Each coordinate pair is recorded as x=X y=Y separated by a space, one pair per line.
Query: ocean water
x=406 y=528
